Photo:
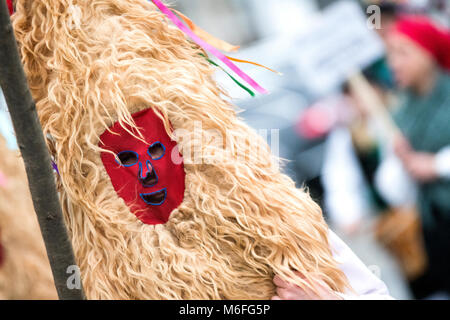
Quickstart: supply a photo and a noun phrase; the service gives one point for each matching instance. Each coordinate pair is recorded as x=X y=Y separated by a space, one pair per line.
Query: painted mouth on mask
x=155 y=198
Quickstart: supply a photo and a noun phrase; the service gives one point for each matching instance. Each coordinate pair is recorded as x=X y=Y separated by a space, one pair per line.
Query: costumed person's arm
x=365 y=285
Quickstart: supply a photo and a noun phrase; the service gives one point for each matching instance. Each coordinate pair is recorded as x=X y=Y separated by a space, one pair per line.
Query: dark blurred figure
x=419 y=55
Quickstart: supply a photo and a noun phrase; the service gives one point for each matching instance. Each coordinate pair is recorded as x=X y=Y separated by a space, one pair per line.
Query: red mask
x=144 y=175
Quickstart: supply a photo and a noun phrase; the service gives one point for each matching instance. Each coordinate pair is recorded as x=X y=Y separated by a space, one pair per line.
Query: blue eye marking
x=127 y=158
x=156 y=151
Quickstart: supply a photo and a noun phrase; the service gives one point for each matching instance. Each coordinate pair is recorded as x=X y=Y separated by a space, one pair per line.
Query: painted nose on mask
x=147 y=175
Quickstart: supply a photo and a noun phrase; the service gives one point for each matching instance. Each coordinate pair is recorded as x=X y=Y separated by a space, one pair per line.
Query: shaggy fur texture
x=25 y=272
x=241 y=220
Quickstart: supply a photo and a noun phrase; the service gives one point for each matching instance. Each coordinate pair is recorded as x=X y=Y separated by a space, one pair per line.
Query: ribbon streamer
x=217 y=43
x=55 y=167
x=202 y=34
x=250 y=92
x=208 y=47
x=255 y=64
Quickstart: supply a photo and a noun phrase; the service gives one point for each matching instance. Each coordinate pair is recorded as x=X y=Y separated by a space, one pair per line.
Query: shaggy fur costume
x=24 y=272
x=91 y=63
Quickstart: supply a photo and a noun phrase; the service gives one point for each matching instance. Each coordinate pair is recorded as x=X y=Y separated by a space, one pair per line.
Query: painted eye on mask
x=127 y=158
x=156 y=151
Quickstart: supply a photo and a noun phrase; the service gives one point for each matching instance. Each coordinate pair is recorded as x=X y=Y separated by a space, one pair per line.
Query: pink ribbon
x=206 y=46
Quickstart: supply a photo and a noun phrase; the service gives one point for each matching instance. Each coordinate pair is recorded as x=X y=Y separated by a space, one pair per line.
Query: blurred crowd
x=374 y=151
x=391 y=160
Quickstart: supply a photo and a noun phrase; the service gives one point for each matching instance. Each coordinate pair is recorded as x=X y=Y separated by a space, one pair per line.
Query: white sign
x=340 y=44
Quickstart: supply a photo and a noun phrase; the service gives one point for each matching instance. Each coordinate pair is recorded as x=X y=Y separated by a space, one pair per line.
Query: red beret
x=431 y=37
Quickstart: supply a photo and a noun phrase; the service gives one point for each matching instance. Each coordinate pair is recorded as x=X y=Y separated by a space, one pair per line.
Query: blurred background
x=331 y=146
x=335 y=107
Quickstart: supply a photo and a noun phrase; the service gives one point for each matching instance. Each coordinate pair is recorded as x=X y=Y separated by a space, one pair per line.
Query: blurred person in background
x=352 y=150
x=419 y=55
x=352 y=155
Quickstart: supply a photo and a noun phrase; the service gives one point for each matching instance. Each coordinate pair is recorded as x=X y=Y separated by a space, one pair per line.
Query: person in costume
x=24 y=268
x=419 y=54
x=166 y=192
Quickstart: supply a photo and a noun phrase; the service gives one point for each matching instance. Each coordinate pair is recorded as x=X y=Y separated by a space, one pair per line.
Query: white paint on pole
x=6 y=127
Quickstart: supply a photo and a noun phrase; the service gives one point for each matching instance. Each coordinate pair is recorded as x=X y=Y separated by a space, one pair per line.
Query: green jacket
x=425 y=121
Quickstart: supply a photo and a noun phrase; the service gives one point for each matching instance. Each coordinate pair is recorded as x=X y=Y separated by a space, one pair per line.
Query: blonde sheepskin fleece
x=25 y=272
x=241 y=220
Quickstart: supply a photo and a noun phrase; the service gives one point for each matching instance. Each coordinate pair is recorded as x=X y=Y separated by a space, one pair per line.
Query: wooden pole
x=37 y=160
x=373 y=105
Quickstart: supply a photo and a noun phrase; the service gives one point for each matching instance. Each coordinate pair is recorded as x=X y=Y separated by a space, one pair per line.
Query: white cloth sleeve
x=442 y=163
x=394 y=183
x=343 y=181
x=365 y=284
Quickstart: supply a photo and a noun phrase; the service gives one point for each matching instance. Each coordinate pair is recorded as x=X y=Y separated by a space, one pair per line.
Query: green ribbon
x=250 y=92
